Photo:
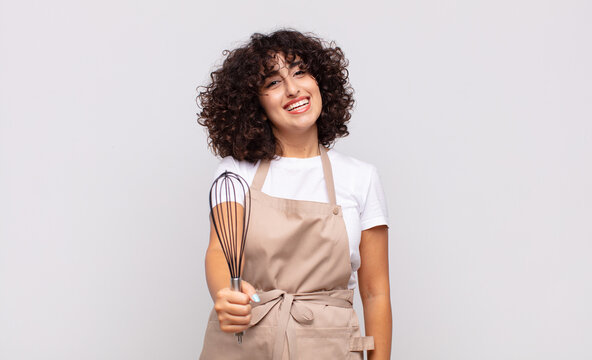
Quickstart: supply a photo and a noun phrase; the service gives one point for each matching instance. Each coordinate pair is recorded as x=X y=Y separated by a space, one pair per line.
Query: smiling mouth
x=298 y=105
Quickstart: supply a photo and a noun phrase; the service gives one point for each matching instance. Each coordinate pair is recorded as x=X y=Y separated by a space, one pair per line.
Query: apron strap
x=260 y=175
x=263 y=169
x=361 y=343
x=328 y=172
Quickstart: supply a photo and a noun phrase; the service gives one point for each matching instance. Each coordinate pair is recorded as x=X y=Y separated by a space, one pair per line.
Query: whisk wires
x=230 y=210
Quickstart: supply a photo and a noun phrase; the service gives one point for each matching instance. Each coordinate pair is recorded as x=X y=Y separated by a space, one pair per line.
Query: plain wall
x=476 y=113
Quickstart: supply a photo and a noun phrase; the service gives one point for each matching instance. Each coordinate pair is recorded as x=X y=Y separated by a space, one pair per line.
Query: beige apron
x=297 y=257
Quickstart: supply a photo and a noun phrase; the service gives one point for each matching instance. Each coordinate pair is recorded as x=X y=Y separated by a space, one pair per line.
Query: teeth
x=297 y=104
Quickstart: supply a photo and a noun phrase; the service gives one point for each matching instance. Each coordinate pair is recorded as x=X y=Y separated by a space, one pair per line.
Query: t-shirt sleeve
x=374 y=211
x=226 y=164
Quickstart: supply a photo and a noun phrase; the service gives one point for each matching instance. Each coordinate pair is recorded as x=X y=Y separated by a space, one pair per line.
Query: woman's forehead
x=279 y=60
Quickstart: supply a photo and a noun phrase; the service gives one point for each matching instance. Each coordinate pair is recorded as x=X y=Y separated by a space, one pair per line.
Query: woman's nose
x=291 y=88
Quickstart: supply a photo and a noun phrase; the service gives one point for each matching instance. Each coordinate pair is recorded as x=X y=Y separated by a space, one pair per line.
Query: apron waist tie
x=293 y=305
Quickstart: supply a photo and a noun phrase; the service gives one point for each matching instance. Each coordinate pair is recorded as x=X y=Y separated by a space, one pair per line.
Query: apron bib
x=297 y=257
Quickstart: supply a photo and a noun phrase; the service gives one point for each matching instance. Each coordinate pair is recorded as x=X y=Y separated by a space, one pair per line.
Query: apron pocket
x=324 y=343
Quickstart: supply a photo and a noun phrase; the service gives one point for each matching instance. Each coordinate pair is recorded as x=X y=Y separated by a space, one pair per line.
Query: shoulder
x=354 y=179
x=361 y=180
x=351 y=167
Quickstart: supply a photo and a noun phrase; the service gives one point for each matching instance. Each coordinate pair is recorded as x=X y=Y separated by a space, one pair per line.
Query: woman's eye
x=300 y=72
x=272 y=83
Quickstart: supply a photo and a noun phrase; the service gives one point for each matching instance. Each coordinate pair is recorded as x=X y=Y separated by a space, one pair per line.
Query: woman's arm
x=373 y=279
x=233 y=307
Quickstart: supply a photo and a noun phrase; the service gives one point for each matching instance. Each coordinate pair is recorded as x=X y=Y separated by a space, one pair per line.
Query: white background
x=476 y=113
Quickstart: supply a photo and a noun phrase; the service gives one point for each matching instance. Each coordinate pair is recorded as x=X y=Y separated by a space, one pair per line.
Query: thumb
x=249 y=290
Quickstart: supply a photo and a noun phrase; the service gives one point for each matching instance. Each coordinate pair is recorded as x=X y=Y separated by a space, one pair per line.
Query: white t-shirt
x=357 y=188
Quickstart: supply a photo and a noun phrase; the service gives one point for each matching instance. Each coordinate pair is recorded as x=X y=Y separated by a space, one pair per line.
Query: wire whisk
x=230 y=211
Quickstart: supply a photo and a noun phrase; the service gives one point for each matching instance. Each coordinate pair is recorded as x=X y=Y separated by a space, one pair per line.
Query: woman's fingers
x=229 y=319
x=234 y=318
x=233 y=309
x=233 y=328
x=250 y=291
x=235 y=297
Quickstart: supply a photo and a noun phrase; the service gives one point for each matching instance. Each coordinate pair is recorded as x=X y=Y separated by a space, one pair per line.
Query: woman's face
x=291 y=98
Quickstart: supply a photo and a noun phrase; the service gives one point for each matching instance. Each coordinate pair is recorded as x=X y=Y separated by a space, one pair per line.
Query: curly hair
x=230 y=108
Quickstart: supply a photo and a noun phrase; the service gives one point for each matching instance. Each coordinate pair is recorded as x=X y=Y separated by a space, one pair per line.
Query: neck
x=299 y=145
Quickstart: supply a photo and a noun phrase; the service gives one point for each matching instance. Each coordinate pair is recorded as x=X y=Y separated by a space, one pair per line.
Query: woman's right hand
x=234 y=307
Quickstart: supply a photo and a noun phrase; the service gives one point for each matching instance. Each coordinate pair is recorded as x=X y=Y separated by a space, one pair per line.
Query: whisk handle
x=235 y=284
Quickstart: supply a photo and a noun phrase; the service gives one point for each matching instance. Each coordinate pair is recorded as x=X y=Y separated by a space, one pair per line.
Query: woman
x=318 y=218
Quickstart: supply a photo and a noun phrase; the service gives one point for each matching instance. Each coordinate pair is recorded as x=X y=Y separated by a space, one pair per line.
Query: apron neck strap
x=328 y=172
x=263 y=168
x=260 y=175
